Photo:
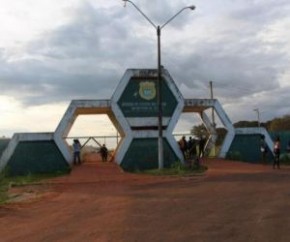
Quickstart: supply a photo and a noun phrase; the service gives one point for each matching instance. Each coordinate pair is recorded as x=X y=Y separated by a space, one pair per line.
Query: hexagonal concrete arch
x=135 y=104
x=199 y=106
x=81 y=107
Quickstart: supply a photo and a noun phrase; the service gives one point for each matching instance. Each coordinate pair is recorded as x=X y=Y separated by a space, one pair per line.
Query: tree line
x=274 y=125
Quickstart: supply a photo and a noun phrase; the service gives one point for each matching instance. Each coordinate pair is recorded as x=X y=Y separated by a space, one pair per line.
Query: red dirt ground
x=233 y=201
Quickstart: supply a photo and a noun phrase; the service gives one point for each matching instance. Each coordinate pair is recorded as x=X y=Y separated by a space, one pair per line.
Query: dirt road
x=98 y=202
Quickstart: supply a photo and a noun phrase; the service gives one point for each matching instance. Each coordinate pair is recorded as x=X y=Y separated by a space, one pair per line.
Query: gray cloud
x=77 y=60
x=237 y=60
x=261 y=12
x=87 y=57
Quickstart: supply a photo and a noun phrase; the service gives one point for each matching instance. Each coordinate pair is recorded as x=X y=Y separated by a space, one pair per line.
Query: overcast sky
x=53 y=51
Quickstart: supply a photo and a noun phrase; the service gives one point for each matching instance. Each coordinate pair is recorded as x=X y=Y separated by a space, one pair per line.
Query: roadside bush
x=179 y=169
x=4 y=185
x=233 y=155
x=285 y=159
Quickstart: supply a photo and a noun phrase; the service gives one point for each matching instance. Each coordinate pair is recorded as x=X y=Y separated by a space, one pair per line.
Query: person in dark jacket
x=104 y=153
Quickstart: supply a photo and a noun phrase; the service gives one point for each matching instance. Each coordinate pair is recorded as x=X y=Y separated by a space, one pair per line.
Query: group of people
x=189 y=148
x=77 y=152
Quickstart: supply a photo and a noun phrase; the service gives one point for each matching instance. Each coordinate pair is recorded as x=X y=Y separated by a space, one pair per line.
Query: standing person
x=195 y=161
x=264 y=149
x=77 y=152
x=277 y=150
x=192 y=148
x=104 y=153
x=183 y=146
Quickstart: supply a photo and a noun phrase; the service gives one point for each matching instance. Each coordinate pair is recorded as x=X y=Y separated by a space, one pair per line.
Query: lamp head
x=192 y=7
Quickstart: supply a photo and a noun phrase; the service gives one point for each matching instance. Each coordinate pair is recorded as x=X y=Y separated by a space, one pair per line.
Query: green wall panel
x=247 y=148
x=143 y=154
x=32 y=157
x=134 y=102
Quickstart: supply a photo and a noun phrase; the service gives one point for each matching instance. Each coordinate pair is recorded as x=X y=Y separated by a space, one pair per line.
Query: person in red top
x=277 y=150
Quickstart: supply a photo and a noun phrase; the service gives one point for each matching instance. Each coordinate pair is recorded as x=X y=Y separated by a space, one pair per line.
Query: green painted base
x=247 y=148
x=35 y=157
x=143 y=155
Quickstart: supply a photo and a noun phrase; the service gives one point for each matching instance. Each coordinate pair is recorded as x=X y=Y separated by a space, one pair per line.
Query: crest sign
x=147 y=90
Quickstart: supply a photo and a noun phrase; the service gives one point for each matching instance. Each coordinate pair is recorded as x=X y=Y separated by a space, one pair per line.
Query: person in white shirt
x=77 y=152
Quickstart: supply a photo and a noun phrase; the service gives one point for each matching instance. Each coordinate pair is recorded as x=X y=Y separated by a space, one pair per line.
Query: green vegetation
x=233 y=155
x=4 y=186
x=199 y=131
x=285 y=159
x=178 y=169
x=275 y=125
x=280 y=124
x=7 y=182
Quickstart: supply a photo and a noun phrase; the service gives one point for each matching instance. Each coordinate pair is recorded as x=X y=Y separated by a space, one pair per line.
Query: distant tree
x=245 y=124
x=277 y=124
x=250 y=124
x=199 y=130
x=280 y=124
x=266 y=124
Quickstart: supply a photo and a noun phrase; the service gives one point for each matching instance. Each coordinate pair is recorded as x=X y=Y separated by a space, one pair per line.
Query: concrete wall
x=29 y=153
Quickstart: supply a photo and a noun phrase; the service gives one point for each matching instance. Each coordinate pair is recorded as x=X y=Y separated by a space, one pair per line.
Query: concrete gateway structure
x=135 y=105
x=133 y=110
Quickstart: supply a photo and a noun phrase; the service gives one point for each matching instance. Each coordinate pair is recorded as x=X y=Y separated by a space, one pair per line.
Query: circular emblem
x=147 y=90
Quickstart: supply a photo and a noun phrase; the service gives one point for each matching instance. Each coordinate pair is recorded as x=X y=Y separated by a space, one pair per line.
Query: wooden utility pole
x=212 y=110
x=212 y=113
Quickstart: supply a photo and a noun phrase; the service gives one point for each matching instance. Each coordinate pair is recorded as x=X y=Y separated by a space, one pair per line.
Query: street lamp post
x=258 y=116
x=159 y=76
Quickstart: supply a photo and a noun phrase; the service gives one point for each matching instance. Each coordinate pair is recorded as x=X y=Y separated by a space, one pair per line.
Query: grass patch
x=234 y=155
x=178 y=169
x=7 y=182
